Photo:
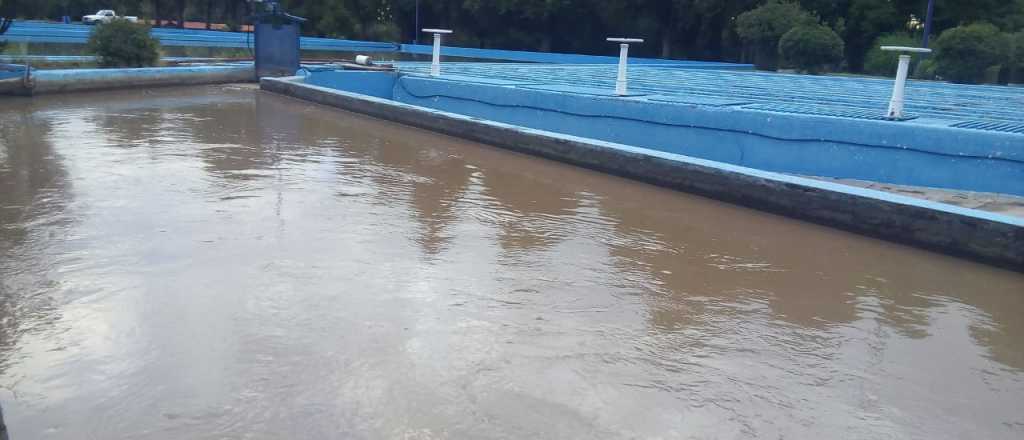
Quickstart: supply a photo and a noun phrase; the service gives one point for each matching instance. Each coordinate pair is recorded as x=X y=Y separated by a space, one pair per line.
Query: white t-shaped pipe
x=899 y=89
x=622 y=81
x=435 y=61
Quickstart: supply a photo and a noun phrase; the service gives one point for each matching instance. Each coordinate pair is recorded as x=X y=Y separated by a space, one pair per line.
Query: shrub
x=964 y=54
x=4 y=23
x=925 y=69
x=1016 y=63
x=122 y=43
x=866 y=21
x=811 y=47
x=884 y=63
x=383 y=32
x=763 y=27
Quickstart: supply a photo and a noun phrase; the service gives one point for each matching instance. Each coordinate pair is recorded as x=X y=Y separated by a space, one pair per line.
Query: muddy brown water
x=221 y=263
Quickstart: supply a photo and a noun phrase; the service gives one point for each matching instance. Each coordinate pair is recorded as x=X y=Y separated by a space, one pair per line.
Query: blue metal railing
x=44 y=32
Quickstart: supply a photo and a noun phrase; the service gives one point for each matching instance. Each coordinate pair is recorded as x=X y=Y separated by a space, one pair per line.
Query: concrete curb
x=977 y=235
x=80 y=80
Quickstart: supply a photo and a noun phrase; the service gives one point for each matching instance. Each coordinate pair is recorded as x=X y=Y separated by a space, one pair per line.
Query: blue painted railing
x=45 y=32
x=42 y=32
x=563 y=58
x=961 y=137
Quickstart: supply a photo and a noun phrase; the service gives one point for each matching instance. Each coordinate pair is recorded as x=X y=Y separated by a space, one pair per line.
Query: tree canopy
x=691 y=29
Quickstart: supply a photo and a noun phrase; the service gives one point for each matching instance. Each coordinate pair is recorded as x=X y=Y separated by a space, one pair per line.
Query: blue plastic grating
x=854 y=113
x=700 y=100
x=581 y=90
x=1005 y=127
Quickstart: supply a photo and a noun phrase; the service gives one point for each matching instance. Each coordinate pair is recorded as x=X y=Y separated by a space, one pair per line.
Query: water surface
x=220 y=263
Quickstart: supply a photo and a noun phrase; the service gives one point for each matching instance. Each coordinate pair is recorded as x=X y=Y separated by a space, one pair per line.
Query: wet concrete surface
x=1005 y=204
x=216 y=262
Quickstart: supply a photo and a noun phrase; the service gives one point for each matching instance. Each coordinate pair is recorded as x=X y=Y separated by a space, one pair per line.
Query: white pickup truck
x=105 y=16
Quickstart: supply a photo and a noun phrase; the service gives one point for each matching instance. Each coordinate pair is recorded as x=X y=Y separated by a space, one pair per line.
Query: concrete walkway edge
x=80 y=80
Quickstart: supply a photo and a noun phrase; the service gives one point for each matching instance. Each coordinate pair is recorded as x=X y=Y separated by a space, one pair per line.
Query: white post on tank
x=622 y=80
x=899 y=89
x=435 y=61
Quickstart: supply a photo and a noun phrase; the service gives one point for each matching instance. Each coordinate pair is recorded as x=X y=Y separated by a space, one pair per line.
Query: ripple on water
x=206 y=267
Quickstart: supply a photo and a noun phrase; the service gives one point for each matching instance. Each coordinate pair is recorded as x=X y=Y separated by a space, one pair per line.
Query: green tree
x=865 y=21
x=122 y=43
x=1016 y=62
x=951 y=13
x=3 y=27
x=763 y=27
x=881 y=62
x=811 y=47
x=731 y=30
x=964 y=54
x=1013 y=20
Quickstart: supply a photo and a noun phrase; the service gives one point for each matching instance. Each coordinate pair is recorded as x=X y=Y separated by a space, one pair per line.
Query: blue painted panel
x=11 y=71
x=277 y=48
x=40 y=32
x=908 y=153
x=563 y=58
x=821 y=95
x=129 y=74
x=376 y=84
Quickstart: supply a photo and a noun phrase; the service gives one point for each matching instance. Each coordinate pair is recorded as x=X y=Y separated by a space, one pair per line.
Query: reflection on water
x=216 y=262
x=34 y=199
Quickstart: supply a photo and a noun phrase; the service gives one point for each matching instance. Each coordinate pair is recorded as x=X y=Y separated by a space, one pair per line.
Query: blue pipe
x=37 y=32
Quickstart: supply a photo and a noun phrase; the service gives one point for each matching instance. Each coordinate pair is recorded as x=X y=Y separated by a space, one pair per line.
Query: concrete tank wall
x=376 y=84
x=75 y=80
x=922 y=152
x=565 y=58
x=919 y=152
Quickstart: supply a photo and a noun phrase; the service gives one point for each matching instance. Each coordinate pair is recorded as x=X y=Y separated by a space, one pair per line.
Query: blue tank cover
x=277 y=42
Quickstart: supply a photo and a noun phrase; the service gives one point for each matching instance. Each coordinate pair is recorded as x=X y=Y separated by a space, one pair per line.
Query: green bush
x=884 y=63
x=811 y=47
x=964 y=54
x=3 y=44
x=761 y=29
x=383 y=32
x=925 y=69
x=122 y=43
x=1016 y=63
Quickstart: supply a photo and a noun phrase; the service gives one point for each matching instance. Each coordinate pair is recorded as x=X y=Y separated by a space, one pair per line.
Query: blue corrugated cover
x=277 y=44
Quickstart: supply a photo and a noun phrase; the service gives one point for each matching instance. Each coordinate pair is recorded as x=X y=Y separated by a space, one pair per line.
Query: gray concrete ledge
x=977 y=235
x=80 y=80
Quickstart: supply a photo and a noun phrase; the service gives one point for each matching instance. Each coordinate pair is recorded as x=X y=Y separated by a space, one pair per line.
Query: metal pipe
x=900 y=86
x=435 y=62
x=621 y=85
x=928 y=23
x=622 y=79
x=416 y=35
x=75 y=80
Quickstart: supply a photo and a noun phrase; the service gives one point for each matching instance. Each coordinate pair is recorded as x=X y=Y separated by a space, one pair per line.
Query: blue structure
x=9 y=71
x=959 y=137
x=993 y=238
x=44 y=32
x=277 y=43
x=562 y=58
x=75 y=80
